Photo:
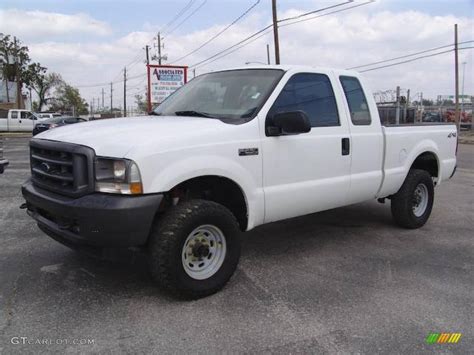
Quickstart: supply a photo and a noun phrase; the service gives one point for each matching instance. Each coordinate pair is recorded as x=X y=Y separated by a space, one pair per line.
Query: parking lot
x=346 y=281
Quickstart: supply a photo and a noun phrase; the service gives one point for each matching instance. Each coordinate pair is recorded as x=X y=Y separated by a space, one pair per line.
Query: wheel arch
x=217 y=188
x=428 y=161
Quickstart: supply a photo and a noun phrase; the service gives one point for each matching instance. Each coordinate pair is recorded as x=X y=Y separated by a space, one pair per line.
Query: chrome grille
x=62 y=167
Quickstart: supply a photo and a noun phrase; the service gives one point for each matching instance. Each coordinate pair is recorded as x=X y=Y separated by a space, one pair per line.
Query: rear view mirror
x=286 y=123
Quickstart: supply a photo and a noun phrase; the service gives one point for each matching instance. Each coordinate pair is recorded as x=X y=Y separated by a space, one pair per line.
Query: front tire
x=194 y=248
x=412 y=204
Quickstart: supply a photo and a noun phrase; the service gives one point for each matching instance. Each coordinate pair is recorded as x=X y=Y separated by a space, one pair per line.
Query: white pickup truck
x=229 y=151
x=20 y=121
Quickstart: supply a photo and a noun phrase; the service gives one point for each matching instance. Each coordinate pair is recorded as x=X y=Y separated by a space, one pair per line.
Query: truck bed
x=405 y=142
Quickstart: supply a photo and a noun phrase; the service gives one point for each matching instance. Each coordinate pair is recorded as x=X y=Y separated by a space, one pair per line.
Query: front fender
x=179 y=171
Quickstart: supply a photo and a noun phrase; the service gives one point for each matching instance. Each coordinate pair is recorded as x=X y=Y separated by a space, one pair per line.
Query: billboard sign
x=163 y=80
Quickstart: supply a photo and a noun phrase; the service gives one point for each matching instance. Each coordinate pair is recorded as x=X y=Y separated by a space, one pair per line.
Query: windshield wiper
x=193 y=113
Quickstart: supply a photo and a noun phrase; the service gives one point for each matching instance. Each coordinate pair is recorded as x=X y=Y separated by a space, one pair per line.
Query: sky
x=90 y=42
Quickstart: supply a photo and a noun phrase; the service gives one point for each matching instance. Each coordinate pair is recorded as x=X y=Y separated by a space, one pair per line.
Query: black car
x=55 y=122
x=3 y=162
x=432 y=117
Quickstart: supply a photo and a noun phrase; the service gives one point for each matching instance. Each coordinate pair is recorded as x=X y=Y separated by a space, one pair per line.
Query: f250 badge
x=452 y=134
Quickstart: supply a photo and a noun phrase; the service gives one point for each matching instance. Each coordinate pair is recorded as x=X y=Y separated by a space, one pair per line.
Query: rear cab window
x=356 y=100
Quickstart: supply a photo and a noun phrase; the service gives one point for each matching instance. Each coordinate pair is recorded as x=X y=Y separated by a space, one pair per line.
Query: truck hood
x=115 y=137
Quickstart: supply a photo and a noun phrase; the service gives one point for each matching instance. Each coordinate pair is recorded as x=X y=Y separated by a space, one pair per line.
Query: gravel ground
x=342 y=281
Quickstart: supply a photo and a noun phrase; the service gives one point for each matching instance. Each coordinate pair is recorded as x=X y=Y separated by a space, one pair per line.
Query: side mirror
x=287 y=123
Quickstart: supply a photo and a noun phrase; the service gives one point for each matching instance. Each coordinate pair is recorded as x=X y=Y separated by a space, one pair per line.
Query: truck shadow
x=127 y=273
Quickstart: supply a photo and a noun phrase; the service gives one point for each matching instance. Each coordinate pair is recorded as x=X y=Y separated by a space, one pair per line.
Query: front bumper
x=3 y=164
x=96 y=220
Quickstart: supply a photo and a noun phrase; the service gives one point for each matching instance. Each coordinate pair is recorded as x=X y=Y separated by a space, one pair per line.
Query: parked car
x=3 y=161
x=55 y=122
x=229 y=151
x=432 y=117
x=19 y=121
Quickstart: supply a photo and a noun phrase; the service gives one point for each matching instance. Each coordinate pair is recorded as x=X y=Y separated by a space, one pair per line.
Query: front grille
x=62 y=167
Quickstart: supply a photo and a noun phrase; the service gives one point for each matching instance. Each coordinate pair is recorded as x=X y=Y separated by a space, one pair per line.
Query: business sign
x=163 y=80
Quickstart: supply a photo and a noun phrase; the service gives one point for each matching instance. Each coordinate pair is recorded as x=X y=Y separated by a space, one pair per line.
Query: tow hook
x=23 y=206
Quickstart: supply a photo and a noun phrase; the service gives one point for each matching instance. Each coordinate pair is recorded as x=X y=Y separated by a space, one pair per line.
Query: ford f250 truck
x=229 y=151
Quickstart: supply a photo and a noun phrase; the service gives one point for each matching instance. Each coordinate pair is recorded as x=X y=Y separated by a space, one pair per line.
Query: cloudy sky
x=90 y=42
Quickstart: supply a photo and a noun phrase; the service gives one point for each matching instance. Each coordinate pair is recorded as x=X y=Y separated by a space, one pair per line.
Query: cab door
x=14 y=120
x=366 y=138
x=307 y=172
x=27 y=121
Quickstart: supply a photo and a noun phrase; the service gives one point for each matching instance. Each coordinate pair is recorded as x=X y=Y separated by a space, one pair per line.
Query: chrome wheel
x=204 y=252
x=420 y=200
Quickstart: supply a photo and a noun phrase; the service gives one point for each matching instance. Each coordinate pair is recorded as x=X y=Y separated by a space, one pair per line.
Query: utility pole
x=148 y=91
x=397 y=111
x=275 y=32
x=194 y=73
x=125 y=92
x=102 y=98
x=159 y=48
x=268 y=54
x=111 y=101
x=456 y=79
x=17 y=74
x=407 y=103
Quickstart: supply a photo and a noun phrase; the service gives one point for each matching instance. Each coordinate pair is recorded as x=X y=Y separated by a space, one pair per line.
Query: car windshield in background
x=229 y=95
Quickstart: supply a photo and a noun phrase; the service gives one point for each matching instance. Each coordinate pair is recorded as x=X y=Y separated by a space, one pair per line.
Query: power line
x=269 y=26
x=269 y=30
x=407 y=61
x=186 y=18
x=220 y=32
x=235 y=45
x=406 y=55
x=328 y=13
x=314 y=11
x=178 y=15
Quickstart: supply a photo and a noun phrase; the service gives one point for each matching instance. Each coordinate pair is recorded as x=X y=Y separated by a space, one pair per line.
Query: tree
x=13 y=56
x=141 y=103
x=68 y=99
x=42 y=83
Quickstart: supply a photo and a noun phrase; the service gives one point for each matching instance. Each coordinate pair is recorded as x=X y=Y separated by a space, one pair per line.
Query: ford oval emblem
x=45 y=167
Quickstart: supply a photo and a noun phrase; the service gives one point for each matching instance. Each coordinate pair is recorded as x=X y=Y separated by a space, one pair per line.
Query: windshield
x=227 y=95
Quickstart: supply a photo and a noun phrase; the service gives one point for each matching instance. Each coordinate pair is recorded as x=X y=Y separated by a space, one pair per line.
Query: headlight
x=119 y=176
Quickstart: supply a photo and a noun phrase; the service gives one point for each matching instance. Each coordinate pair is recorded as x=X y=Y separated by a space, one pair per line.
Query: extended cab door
x=366 y=139
x=307 y=172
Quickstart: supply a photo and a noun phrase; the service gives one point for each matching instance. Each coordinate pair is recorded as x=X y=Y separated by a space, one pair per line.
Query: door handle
x=346 y=146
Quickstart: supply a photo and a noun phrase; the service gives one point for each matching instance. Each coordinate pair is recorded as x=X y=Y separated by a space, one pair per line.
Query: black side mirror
x=286 y=123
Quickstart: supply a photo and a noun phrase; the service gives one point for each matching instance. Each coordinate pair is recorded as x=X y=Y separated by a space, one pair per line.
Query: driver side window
x=312 y=94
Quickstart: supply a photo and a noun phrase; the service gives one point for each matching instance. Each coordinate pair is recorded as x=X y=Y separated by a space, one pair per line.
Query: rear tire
x=412 y=204
x=194 y=248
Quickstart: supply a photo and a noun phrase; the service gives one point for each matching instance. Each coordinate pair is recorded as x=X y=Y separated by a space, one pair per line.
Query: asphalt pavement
x=342 y=281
